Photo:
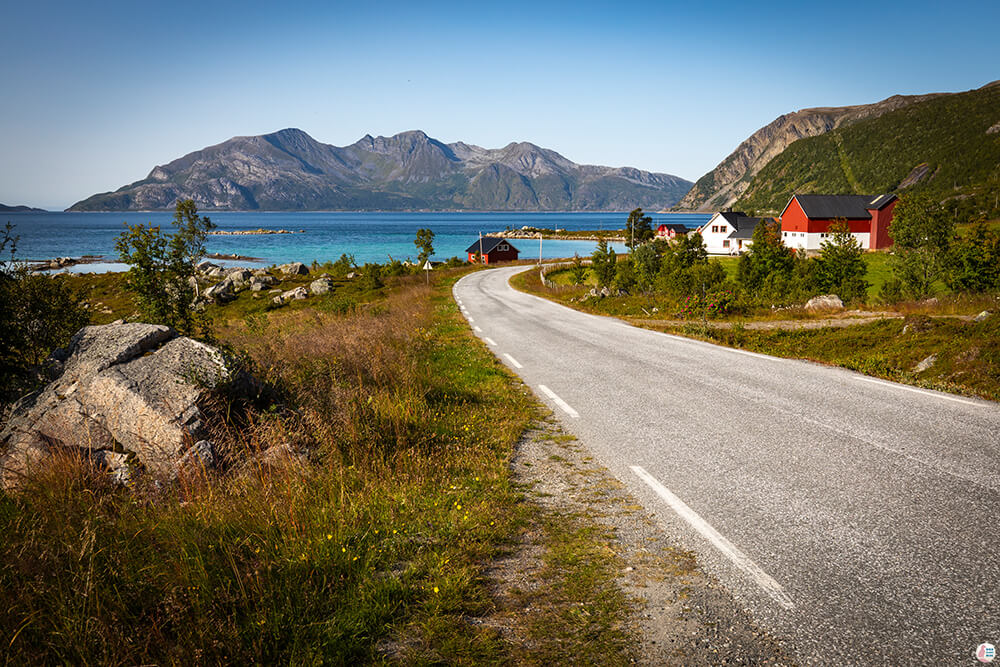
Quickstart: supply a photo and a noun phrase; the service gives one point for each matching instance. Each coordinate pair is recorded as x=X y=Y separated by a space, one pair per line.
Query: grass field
x=372 y=549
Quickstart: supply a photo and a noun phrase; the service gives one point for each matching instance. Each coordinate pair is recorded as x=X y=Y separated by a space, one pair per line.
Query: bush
x=38 y=313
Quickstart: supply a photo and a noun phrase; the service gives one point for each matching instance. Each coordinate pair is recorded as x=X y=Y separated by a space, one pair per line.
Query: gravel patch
x=680 y=615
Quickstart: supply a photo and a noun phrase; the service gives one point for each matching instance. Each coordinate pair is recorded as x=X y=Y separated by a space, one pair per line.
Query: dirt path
x=680 y=615
x=788 y=325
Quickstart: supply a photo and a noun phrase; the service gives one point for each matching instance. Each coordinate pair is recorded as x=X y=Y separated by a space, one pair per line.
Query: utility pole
x=539 y=248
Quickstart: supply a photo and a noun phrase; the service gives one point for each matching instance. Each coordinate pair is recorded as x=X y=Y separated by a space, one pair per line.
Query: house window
x=505 y=247
x=784 y=233
x=725 y=244
x=715 y=228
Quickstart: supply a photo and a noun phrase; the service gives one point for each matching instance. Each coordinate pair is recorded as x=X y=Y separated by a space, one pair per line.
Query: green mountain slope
x=948 y=147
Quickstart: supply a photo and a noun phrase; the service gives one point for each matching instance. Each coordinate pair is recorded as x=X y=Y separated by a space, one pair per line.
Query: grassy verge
x=371 y=549
x=967 y=354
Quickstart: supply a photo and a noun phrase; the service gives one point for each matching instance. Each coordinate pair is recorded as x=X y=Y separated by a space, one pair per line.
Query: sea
x=320 y=236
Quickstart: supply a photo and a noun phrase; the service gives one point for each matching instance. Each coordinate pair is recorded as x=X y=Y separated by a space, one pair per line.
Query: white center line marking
x=513 y=360
x=490 y=341
x=728 y=549
x=893 y=385
x=558 y=401
x=478 y=329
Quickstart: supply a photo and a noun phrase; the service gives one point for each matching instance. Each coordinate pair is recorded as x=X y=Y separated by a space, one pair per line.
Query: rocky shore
x=252 y=232
x=558 y=234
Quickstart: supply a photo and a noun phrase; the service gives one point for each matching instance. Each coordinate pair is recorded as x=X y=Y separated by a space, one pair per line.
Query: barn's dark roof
x=854 y=207
x=489 y=245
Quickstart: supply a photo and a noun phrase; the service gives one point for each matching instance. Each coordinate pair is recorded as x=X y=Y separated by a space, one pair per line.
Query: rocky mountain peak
x=289 y=170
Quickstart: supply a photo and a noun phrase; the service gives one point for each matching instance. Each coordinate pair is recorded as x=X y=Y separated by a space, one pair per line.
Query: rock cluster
x=127 y=396
x=233 y=281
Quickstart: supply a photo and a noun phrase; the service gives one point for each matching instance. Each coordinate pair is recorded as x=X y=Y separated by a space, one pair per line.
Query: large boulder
x=296 y=294
x=223 y=292
x=125 y=391
x=825 y=302
x=321 y=286
x=294 y=269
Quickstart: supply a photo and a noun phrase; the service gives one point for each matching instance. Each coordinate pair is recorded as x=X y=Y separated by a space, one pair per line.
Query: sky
x=94 y=95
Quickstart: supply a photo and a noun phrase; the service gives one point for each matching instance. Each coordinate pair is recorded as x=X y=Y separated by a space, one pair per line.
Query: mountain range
x=289 y=170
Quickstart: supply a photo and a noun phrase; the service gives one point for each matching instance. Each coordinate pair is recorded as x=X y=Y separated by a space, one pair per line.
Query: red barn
x=806 y=220
x=493 y=250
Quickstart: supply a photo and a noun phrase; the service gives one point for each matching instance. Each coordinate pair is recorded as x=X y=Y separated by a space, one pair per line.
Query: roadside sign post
x=427 y=270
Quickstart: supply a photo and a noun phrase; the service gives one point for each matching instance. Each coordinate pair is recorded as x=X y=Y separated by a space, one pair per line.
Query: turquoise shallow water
x=370 y=237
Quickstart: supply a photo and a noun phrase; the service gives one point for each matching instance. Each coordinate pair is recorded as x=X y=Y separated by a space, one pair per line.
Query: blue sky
x=96 y=94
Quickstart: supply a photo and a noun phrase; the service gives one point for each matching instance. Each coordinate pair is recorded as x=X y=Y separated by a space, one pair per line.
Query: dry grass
x=370 y=549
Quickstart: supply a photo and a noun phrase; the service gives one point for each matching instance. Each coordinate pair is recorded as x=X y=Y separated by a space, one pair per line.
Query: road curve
x=855 y=517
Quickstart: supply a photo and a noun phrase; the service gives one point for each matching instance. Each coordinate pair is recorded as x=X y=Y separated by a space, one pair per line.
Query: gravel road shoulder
x=675 y=613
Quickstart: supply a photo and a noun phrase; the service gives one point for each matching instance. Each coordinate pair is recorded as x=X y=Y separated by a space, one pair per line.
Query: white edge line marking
x=490 y=341
x=478 y=329
x=558 y=401
x=513 y=360
x=470 y=319
x=728 y=549
x=934 y=394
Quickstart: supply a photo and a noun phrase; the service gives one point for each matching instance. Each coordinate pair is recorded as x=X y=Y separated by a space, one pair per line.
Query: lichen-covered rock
x=294 y=269
x=128 y=389
x=825 y=302
x=297 y=294
x=221 y=292
x=321 y=286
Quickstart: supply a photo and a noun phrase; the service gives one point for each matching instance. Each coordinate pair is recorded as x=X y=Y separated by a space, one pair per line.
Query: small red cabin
x=670 y=231
x=493 y=249
x=806 y=220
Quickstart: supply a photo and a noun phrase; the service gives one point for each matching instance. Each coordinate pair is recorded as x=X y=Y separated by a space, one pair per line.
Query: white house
x=728 y=232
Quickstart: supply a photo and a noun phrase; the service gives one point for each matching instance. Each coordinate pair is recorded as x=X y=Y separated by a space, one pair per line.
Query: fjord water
x=370 y=237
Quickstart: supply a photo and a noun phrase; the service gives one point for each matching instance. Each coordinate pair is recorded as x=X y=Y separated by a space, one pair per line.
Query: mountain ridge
x=726 y=183
x=290 y=170
x=947 y=147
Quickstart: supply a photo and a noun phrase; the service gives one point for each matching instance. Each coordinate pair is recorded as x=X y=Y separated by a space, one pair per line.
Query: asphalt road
x=855 y=517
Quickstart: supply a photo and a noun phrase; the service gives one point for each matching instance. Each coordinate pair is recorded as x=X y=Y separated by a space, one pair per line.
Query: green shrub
x=38 y=313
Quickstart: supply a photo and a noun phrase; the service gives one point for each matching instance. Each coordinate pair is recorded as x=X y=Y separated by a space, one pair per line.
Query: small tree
x=604 y=263
x=922 y=233
x=578 y=272
x=841 y=266
x=425 y=244
x=767 y=261
x=974 y=264
x=638 y=229
x=647 y=264
x=162 y=267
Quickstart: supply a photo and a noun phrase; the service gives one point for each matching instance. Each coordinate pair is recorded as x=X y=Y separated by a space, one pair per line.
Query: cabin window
x=725 y=244
x=715 y=228
x=504 y=247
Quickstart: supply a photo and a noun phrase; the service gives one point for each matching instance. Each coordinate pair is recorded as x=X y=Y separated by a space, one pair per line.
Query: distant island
x=4 y=208
x=290 y=171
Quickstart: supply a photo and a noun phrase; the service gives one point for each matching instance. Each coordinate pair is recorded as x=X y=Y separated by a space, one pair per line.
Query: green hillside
x=948 y=147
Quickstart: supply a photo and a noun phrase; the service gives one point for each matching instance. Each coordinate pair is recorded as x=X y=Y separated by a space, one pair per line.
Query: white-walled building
x=728 y=232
